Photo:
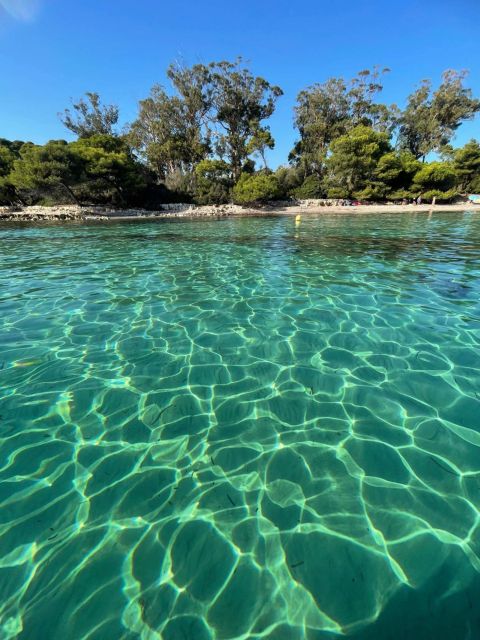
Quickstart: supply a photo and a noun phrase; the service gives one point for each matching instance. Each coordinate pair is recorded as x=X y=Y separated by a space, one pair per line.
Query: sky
x=53 y=51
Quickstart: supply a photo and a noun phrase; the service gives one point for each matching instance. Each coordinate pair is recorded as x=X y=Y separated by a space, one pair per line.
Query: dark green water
x=241 y=429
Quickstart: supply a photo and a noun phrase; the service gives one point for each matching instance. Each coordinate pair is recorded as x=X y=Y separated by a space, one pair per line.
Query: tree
x=321 y=116
x=239 y=104
x=167 y=133
x=396 y=171
x=215 y=111
x=7 y=159
x=353 y=160
x=364 y=108
x=111 y=172
x=326 y=111
x=90 y=117
x=260 y=141
x=466 y=162
x=193 y=88
x=311 y=188
x=256 y=189
x=214 y=182
x=289 y=178
x=430 y=119
x=48 y=168
x=435 y=175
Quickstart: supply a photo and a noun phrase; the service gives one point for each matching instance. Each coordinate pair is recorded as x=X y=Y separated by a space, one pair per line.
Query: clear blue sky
x=54 y=50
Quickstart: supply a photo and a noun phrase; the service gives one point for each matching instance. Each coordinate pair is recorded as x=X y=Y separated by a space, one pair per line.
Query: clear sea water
x=243 y=428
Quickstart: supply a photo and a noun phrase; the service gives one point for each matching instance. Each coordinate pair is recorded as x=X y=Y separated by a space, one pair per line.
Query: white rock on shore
x=75 y=212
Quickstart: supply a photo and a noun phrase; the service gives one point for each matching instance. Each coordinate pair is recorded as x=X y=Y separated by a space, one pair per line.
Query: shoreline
x=68 y=213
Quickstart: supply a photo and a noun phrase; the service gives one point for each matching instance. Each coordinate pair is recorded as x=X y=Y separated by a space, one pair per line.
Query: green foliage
x=182 y=183
x=260 y=141
x=167 y=133
x=90 y=117
x=256 y=189
x=374 y=191
x=213 y=182
x=399 y=194
x=289 y=178
x=474 y=185
x=240 y=102
x=439 y=196
x=337 y=192
x=7 y=159
x=325 y=112
x=95 y=169
x=466 y=162
x=430 y=119
x=395 y=170
x=310 y=188
x=54 y=168
x=354 y=158
x=112 y=174
x=195 y=141
x=217 y=108
x=435 y=175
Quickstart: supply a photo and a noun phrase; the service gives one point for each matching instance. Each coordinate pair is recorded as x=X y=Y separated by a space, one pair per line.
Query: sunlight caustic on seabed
x=241 y=429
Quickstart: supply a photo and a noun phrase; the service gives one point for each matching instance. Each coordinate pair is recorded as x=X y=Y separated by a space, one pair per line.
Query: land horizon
x=299 y=209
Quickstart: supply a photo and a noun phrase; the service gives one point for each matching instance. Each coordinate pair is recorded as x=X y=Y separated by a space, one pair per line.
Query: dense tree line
x=206 y=140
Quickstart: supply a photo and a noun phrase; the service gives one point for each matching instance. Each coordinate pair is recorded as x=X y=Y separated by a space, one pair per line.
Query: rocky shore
x=75 y=212
x=168 y=211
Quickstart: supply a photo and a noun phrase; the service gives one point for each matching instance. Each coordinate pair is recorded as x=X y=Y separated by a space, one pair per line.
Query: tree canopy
x=430 y=119
x=205 y=134
x=89 y=117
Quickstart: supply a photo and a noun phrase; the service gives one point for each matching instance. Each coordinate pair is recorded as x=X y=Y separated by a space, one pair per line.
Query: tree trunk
x=19 y=197
x=262 y=153
x=70 y=192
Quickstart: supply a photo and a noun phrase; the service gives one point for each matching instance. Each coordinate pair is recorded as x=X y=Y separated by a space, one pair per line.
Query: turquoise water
x=241 y=429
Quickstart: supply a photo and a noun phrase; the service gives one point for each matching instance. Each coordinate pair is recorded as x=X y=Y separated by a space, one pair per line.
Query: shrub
x=373 y=191
x=288 y=180
x=310 y=189
x=440 y=196
x=337 y=192
x=475 y=185
x=213 y=182
x=255 y=189
x=435 y=175
x=400 y=194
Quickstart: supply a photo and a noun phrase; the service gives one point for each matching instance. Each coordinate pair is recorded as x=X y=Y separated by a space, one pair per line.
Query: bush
x=475 y=185
x=310 y=189
x=435 y=175
x=440 y=196
x=373 y=191
x=337 y=192
x=255 y=189
x=400 y=194
x=213 y=182
x=288 y=180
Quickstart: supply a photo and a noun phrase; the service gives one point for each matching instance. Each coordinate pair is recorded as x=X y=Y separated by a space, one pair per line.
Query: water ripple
x=241 y=429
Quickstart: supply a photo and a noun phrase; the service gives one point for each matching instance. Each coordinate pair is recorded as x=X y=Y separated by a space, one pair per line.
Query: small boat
x=474 y=198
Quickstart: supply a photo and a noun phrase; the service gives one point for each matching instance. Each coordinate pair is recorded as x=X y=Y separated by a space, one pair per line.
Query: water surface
x=245 y=428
